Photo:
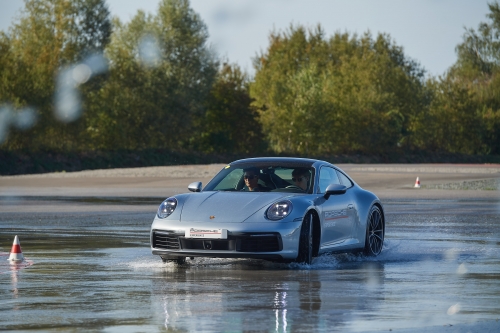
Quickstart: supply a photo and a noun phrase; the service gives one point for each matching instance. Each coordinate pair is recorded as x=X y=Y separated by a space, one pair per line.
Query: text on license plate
x=206 y=233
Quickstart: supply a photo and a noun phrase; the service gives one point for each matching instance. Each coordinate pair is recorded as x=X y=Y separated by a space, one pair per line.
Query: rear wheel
x=306 y=241
x=374 y=233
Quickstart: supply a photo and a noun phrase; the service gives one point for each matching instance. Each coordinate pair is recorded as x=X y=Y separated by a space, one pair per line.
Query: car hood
x=224 y=207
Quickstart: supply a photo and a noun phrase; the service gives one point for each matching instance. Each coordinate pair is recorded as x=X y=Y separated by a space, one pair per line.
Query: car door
x=336 y=211
x=357 y=230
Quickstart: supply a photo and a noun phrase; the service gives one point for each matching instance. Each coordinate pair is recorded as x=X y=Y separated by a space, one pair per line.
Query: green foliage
x=479 y=53
x=230 y=123
x=155 y=101
x=464 y=116
x=50 y=34
x=311 y=95
x=452 y=122
x=340 y=95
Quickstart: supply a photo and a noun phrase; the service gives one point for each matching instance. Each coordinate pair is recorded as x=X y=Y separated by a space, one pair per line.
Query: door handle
x=350 y=206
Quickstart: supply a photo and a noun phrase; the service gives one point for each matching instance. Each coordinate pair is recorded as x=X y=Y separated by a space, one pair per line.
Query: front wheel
x=306 y=241
x=178 y=260
x=374 y=233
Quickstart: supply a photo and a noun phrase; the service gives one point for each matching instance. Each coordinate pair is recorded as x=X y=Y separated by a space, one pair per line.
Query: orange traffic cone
x=417 y=183
x=16 y=255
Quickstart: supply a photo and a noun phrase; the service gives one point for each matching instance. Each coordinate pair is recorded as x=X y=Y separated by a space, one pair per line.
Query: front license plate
x=206 y=233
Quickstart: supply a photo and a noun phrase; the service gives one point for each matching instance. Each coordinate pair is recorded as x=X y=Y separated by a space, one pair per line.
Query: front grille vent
x=168 y=240
x=165 y=240
x=259 y=244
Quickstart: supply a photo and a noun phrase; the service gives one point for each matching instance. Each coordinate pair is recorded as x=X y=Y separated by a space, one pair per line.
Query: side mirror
x=334 y=189
x=195 y=187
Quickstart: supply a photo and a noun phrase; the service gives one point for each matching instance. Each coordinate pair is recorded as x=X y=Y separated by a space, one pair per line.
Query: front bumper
x=266 y=242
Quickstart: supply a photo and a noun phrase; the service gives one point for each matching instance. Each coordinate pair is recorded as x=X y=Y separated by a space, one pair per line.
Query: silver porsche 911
x=279 y=209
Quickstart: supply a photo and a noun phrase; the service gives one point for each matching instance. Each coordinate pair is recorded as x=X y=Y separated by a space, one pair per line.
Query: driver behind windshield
x=251 y=177
x=300 y=178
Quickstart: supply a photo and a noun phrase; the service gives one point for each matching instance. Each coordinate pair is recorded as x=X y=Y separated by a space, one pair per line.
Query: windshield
x=252 y=178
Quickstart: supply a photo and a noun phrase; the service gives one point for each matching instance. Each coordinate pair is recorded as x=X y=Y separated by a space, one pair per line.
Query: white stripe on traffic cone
x=417 y=183
x=16 y=255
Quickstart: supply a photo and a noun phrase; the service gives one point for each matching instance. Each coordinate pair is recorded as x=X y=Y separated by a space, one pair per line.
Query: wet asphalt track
x=90 y=268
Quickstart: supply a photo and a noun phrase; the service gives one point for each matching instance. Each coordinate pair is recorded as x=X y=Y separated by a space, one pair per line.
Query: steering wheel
x=294 y=187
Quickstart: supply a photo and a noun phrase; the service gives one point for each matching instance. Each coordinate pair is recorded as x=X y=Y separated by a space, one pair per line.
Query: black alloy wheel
x=374 y=233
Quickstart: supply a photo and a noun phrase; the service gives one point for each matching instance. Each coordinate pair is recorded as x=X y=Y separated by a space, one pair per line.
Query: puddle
x=94 y=270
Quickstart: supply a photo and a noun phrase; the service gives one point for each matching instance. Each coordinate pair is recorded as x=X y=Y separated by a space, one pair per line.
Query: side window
x=344 y=180
x=327 y=176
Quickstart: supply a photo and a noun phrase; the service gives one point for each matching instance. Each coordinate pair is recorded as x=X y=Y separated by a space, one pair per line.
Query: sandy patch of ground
x=386 y=180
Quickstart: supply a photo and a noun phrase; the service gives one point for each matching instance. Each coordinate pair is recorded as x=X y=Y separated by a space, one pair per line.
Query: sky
x=428 y=30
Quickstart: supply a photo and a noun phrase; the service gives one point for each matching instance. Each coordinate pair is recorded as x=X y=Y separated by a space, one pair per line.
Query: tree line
x=74 y=79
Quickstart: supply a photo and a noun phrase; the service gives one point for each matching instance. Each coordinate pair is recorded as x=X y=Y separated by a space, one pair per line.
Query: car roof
x=282 y=161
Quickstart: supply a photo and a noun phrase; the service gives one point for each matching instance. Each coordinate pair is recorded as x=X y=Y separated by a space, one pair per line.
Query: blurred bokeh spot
x=149 y=51
x=68 y=104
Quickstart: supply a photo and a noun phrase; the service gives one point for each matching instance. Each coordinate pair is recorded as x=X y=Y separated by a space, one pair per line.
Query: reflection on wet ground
x=94 y=270
x=81 y=200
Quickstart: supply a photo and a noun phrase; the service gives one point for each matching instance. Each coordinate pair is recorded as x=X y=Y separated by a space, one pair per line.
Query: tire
x=178 y=261
x=374 y=241
x=306 y=241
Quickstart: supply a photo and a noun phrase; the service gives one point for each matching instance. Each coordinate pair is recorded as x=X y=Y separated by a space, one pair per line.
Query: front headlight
x=279 y=210
x=167 y=207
